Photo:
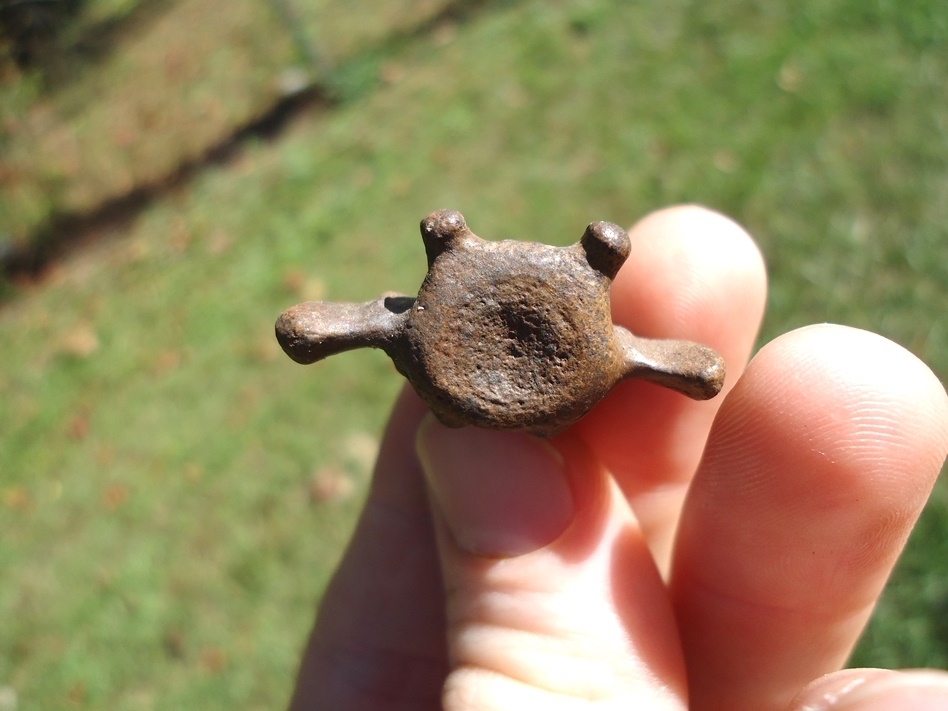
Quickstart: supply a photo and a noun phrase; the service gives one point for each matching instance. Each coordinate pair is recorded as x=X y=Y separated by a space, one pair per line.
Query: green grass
x=116 y=111
x=160 y=542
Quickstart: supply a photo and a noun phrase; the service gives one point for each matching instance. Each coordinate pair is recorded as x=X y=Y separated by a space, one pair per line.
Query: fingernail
x=502 y=494
x=879 y=690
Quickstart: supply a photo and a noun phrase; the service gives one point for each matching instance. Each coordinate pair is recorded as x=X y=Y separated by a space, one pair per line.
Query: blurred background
x=174 y=492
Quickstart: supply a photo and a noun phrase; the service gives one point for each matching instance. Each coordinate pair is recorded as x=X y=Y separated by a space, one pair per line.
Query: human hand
x=498 y=571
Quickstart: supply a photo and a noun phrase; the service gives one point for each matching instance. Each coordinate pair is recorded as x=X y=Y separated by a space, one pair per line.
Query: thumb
x=553 y=599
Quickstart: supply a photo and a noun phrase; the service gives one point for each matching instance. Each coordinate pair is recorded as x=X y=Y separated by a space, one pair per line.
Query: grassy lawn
x=174 y=491
x=136 y=90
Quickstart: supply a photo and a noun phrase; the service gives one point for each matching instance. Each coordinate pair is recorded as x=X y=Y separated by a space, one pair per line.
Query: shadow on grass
x=24 y=261
x=52 y=38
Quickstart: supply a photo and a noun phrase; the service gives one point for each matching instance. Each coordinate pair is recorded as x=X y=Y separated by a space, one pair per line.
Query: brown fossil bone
x=506 y=335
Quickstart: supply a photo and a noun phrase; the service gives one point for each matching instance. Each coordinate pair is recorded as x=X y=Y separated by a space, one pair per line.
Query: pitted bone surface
x=506 y=335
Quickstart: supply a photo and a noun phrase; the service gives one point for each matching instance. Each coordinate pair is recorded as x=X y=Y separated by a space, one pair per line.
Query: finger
x=876 y=690
x=553 y=600
x=816 y=469
x=692 y=274
x=379 y=636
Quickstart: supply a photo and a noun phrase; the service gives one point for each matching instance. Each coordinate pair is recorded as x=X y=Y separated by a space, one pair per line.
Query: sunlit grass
x=174 y=491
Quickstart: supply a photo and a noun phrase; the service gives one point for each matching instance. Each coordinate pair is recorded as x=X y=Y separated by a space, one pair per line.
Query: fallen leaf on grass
x=180 y=238
x=266 y=349
x=213 y=659
x=79 y=426
x=303 y=286
x=80 y=342
x=16 y=498
x=391 y=72
x=789 y=78
x=218 y=242
x=361 y=449
x=105 y=455
x=293 y=280
x=193 y=472
x=77 y=693
x=166 y=361
x=330 y=485
x=115 y=495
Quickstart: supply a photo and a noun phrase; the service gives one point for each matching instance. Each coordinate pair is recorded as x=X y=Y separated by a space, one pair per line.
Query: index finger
x=692 y=274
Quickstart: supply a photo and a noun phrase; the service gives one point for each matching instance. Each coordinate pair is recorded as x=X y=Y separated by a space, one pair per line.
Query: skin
x=662 y=553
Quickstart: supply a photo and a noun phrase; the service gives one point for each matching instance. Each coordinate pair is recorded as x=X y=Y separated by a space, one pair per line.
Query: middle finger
x=692 y=274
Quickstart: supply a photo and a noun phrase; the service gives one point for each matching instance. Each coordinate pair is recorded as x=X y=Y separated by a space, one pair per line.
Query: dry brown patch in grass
x=165 y=97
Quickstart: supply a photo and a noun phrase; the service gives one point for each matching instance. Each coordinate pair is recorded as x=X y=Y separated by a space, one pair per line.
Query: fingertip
x=818 y=464
x=865 y=396
x=693 y=273
x=875 y=690
x=834 y=433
